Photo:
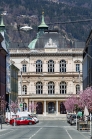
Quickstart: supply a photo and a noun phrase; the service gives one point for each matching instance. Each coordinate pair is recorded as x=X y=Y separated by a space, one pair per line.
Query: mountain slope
x=29 y=12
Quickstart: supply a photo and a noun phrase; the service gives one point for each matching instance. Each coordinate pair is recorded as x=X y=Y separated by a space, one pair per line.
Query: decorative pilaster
x=44 y=107
x=57 y=107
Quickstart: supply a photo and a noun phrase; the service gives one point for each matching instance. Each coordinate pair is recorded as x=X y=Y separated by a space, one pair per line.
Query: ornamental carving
x=50 y=43
x=12 y=62
x=24 y=62
x=77 y=61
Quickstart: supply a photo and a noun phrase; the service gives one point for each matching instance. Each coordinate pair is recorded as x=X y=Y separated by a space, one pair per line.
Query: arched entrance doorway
x=51 y=107
x=39 y=108
x=62 y=108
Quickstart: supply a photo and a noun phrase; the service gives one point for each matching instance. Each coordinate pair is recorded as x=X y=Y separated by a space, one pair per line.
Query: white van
x=8 y=116
x=20 y=114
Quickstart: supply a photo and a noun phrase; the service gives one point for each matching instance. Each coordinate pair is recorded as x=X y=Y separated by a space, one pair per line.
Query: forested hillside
x=21 y=12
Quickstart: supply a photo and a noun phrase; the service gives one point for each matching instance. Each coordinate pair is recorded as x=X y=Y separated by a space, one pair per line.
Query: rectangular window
x=24 y=68
x=77 y=67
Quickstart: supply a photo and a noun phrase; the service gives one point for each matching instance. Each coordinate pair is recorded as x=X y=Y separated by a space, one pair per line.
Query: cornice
x=46 y=54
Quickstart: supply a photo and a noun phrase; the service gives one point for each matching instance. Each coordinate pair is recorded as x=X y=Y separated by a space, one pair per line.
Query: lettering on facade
x=50 y=50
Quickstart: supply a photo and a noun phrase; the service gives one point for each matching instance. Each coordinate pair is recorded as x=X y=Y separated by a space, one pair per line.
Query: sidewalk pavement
x=5 y=127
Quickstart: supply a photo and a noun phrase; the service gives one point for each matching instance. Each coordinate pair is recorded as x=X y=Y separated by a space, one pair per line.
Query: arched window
x=24 y=106
x=51 y=88
x=77 y=88
x=39 y=88
x=24 y=68
x=50 y=66
x=24 y=89
x=63 y=88
x=62 y=66
x=38 y=66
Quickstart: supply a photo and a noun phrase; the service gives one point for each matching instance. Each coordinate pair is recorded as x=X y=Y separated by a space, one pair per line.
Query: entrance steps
x=52 y=117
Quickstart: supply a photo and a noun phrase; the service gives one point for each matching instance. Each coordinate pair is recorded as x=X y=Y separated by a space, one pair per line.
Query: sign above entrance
x=50 y=50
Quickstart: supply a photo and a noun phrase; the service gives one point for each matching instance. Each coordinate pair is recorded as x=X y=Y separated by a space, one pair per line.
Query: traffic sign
x=21 y=104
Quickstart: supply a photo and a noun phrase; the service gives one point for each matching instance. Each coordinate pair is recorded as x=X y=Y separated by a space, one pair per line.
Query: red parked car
x=23 y=121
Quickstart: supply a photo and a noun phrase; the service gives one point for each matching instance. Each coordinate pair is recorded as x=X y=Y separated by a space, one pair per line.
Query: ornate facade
x=48 y=78
x=51 y=71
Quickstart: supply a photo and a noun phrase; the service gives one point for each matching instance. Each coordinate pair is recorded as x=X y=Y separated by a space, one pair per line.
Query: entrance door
x=51 y=107
x=39 y=108
x=62 y=108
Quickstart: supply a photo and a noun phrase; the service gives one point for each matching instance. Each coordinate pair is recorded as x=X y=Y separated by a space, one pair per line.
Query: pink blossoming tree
x=73 y=103
x=86 y=99
x=32 y=106
x=14 y=106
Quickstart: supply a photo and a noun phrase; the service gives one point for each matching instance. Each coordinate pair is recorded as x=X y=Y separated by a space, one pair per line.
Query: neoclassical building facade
x=51 y=71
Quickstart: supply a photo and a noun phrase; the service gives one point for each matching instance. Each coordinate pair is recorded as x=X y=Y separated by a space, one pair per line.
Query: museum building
x=51 y=70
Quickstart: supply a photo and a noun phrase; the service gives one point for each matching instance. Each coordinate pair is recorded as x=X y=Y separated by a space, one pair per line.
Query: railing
x=59 y=50
x=50 y=73
x=46 y=95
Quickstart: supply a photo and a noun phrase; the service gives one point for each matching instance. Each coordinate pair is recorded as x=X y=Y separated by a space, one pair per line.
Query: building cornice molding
x=45 y=54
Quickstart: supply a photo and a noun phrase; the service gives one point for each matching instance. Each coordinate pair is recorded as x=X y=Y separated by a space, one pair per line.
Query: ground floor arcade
x=45 y=107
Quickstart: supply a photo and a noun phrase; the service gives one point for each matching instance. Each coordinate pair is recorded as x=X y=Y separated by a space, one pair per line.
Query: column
x=57 y=107
x=44 y=107
x=30 y=104
x=32 y=110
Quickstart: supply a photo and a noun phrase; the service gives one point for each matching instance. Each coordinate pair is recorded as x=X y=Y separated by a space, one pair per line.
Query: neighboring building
x=50 y=66
x=2 y=69
x=87 y=62
x=14 y=83
x=8 y=72
x=3 y=54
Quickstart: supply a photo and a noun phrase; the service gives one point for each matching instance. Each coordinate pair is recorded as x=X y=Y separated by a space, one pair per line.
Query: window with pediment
x=50 y=66
x=62 y=66
x=24 y=89
x=39 y=88
x=51 y=88
x=38 y=66
x=63 y=87
x=77 y=88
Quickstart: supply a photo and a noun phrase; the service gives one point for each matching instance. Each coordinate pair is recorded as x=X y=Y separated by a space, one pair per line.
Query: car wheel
x=30 y=123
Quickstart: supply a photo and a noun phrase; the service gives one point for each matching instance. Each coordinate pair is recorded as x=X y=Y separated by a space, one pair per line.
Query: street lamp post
x=90 y=127
x=21 y=92
x=78 y=90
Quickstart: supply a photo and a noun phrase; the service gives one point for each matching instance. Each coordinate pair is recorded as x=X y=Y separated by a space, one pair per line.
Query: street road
x=53 y=129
